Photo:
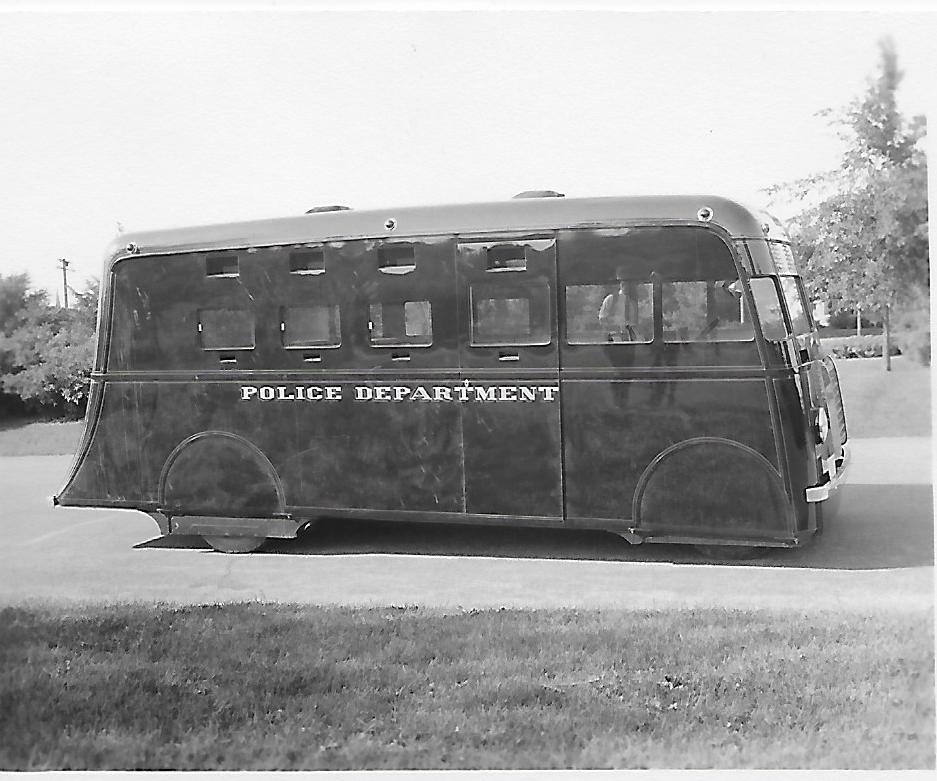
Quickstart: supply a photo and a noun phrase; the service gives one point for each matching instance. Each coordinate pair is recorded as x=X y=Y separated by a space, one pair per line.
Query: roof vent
x=540 y=194
x=334 y=208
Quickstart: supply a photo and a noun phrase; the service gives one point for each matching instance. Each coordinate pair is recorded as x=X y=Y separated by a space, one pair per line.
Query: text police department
x=459 y=393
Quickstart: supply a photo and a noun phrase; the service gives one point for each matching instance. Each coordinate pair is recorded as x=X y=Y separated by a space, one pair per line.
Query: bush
x=47 y=361
x=60 y=381
x=866 y=346
x=846 y=319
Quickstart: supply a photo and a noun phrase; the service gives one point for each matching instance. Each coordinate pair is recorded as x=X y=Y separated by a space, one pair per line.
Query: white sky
x=163 y=119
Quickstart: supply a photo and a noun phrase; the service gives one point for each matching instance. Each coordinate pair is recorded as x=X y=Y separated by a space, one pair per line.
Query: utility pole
x=65 y=278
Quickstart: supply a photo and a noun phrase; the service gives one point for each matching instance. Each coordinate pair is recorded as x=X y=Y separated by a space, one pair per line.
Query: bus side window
x=226 y=329
x=510 y=313
x=400 y=324
x=795 y=305
x=318 y=325
x=619 y=311
x=768 y=306
x=705 y=311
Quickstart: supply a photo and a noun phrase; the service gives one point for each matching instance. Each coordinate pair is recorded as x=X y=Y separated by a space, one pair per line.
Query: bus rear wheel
x=235 y=544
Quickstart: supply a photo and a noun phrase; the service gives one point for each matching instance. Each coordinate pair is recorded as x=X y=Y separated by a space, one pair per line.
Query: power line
x=65 y=265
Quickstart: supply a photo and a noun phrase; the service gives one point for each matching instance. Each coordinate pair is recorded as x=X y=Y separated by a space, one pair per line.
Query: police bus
x=643 y=365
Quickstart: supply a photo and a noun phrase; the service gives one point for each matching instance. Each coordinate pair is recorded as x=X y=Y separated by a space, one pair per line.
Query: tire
x=235 y=544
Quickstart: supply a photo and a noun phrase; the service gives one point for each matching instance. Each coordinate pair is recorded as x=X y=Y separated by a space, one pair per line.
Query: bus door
x=509 y=367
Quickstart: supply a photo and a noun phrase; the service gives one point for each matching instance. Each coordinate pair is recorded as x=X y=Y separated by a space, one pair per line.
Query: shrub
x=48 y=362
x=866 y=346
x=846 y=319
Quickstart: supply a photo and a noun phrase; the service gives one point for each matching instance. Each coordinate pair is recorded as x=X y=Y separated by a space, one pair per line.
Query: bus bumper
x=835 y=474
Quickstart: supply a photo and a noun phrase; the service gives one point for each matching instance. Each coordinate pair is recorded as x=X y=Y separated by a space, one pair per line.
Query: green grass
x=885 y=404
x=39 y=438
x=253 y=686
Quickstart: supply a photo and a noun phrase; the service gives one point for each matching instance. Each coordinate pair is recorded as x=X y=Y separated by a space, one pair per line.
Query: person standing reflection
x=618 y=314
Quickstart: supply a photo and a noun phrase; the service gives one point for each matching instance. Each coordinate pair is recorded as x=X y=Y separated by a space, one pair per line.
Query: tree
x=46 y=352
x=15 y=297
x=865 y=240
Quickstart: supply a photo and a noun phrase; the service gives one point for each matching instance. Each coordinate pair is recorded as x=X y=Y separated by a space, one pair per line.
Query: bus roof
x=519 y=215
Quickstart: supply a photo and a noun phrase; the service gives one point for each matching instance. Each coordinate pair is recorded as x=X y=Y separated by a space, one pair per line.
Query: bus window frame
x=782 y=307
x=653 y=283
x=432 y=279
x=547 y=292
x=241 y=348
x=650 y=353
x=400 y=345
x=708 y=283
x=310 y=345
x=536 y=354
x=799 y=290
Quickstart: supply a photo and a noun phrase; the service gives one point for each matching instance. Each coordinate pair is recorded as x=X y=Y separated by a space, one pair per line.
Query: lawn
x=255 y=686
x=885 y=404
x=23 y=437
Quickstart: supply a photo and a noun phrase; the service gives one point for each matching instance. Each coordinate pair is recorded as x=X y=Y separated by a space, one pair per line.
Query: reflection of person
x=618 y=314
x=727 y=300
x=724 y=307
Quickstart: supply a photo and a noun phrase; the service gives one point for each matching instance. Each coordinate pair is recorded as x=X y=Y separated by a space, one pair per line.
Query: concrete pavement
x=877 y=555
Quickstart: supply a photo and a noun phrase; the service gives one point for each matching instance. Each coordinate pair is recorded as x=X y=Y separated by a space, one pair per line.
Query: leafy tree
x=86 y=302
x=15 y=297
x=46 y=352
x=865 y=240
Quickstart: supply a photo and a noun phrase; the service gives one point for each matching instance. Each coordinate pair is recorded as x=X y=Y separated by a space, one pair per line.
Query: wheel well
x=715 y=486
x=220 y=473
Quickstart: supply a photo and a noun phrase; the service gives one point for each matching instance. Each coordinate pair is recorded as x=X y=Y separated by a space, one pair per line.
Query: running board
x=214 y=526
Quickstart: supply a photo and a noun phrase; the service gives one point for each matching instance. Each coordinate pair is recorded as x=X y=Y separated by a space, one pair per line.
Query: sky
x=149 y=119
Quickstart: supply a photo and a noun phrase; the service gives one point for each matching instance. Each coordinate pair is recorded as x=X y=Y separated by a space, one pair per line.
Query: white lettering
x=403 y=393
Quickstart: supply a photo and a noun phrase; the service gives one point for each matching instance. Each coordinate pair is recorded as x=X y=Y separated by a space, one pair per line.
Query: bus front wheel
x=235 y=544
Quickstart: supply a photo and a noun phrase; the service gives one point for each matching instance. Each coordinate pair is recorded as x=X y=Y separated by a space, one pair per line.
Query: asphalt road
x=877 y=555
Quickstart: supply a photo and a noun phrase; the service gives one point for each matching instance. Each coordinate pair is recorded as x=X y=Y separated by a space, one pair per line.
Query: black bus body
x=646 y=366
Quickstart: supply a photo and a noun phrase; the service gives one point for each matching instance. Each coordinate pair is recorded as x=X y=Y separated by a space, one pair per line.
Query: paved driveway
x=877 y=555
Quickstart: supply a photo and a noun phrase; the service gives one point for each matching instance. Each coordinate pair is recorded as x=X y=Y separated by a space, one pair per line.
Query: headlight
x=821 y=424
